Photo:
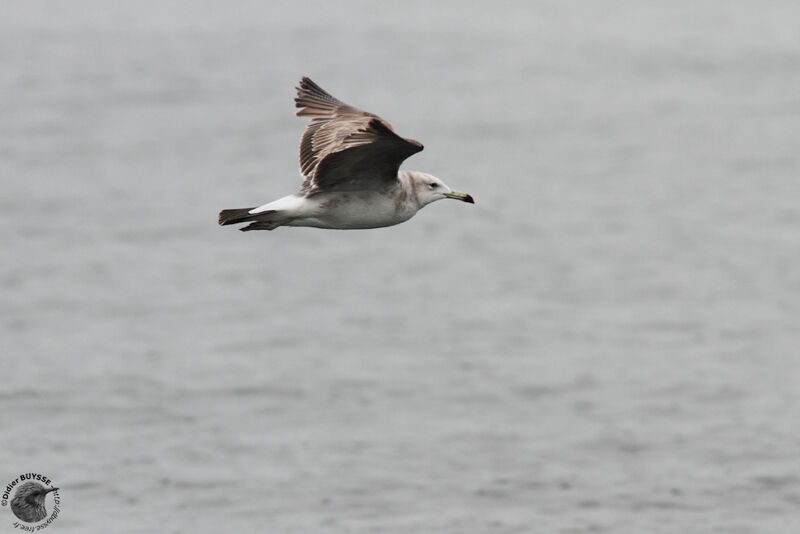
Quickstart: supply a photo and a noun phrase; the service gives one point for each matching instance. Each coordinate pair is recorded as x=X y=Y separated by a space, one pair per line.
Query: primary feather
x=345 y=148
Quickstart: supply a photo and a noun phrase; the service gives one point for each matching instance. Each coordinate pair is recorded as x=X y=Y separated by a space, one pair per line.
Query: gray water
x=606 y=342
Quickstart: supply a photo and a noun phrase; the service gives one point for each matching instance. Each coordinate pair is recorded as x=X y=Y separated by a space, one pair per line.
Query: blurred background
x=606 y=342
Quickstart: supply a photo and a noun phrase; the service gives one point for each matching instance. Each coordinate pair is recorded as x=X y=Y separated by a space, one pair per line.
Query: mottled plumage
x=350 y=161
x=344 y=147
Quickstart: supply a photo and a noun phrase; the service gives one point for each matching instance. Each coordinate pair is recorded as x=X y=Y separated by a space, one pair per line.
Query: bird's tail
x=264 y=220
x=237 y=215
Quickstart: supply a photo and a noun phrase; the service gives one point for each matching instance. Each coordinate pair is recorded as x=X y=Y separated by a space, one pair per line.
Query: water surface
x=606 y=342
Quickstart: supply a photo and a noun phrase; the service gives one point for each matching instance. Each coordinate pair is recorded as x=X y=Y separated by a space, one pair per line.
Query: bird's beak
x=50 y=489
x=458 y=195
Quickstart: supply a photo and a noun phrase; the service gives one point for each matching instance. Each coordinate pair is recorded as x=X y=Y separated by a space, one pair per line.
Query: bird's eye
x=432 y=185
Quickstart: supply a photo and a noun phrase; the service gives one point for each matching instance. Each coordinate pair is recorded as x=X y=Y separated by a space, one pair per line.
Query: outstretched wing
x=344 y=147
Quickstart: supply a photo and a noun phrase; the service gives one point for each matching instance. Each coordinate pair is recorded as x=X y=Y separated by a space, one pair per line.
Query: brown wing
x=344 y=147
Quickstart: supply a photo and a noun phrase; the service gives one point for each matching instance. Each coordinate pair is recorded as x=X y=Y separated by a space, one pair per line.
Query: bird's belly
x=355 y=211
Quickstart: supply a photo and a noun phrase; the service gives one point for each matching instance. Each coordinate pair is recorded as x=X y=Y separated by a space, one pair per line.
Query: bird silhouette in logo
x=28 y=502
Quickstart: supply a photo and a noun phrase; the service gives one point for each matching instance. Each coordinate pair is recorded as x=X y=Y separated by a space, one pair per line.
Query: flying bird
x=350 y=162
x=28 y=502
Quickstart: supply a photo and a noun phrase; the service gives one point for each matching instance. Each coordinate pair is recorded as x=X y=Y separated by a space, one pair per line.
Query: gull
x=350 y=163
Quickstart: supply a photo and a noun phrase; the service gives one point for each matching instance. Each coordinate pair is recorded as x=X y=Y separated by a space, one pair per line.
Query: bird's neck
x=408 y=185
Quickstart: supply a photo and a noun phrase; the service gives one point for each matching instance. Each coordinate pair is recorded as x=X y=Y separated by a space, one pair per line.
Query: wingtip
x=314 y=99
x=300 y=85
x=307 y=85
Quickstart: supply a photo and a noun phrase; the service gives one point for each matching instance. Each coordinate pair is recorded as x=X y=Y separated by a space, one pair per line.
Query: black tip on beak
x=458 y=195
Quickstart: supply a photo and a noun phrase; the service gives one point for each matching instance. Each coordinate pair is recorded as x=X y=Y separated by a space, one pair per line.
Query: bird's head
x=430 y=189
x=28 y=501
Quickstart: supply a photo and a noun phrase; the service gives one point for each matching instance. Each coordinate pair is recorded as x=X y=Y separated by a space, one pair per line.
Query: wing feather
x=344 y=147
